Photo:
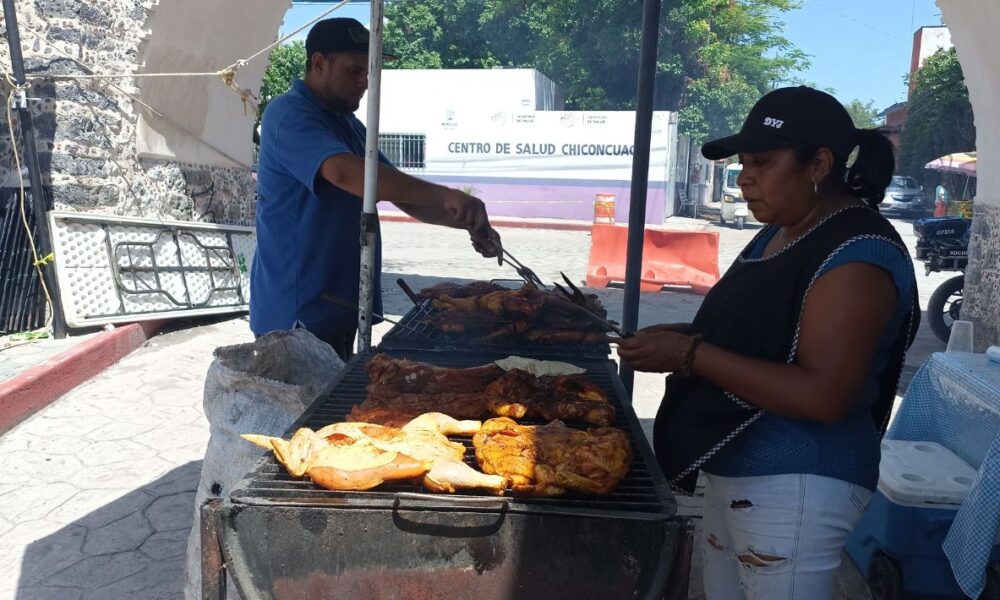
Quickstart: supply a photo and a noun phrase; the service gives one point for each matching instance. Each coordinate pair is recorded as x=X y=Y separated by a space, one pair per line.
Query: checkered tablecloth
x=954 y=400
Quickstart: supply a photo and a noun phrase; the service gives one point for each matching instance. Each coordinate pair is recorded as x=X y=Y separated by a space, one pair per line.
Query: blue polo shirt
x=308 y=231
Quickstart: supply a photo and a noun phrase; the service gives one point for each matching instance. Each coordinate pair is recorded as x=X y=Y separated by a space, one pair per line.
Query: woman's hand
x=656 y=350
x=684 y=328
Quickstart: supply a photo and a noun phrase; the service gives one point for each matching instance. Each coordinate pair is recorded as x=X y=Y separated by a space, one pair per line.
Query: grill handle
x=440 y=501
x=408 y=291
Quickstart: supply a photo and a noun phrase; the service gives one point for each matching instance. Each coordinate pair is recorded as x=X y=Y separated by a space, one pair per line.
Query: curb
x=37 y=387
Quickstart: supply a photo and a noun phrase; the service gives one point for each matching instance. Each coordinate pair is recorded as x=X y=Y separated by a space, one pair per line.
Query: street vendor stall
x=588 y=532
x=962 y=166
x=588 y=514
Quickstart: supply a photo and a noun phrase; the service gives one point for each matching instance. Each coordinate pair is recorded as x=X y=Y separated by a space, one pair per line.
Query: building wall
x=436 y=93
x=495 y=134
x=973 y=27
x=86 y=130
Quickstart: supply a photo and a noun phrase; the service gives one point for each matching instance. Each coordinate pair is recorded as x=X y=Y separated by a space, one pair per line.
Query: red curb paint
x=504 y=222
x=39 y=386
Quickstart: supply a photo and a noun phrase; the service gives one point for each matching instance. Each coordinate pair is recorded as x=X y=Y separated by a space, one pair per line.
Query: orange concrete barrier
x=669 y=257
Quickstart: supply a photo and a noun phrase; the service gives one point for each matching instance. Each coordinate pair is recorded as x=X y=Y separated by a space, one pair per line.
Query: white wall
x=436 y=95
x=557 y=145
x=974 y=30
x=933 y=39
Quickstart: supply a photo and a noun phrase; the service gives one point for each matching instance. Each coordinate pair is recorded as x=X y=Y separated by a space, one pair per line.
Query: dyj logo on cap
x=772 y=122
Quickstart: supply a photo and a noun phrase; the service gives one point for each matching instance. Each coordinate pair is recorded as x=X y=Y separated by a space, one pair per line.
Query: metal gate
x=22 y=303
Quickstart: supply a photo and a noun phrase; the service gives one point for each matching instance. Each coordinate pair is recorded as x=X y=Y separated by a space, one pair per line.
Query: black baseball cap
x=789 y=117
x=343 y=35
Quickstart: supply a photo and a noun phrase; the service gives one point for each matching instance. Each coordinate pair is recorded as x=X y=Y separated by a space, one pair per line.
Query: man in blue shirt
x=310 y=184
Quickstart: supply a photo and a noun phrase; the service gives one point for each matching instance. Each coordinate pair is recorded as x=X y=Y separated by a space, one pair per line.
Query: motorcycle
x=943 y=245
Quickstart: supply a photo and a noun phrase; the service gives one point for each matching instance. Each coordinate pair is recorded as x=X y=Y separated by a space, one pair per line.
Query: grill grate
x=643 y=493
x=415 y=333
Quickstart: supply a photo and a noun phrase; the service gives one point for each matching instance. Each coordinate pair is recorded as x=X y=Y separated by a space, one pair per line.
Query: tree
x=862 y=113
x=288 y=62
x=715 y=58
x=940 y=119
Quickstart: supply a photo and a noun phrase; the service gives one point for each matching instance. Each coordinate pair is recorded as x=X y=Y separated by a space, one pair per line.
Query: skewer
x=579 y=300
x=352 y=306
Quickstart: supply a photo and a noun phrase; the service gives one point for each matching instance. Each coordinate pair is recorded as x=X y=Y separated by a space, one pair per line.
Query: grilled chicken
x=525 y=313
x=360 y=456
x=458 y=290
x=550 y=460
x=401 y=390
x=518 y=394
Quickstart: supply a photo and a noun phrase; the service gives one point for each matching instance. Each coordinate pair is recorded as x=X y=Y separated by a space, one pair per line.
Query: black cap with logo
x=789 y=117
x=342 y=35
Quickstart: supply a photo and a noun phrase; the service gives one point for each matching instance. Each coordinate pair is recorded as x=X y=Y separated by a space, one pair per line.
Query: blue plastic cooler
x=897 y=543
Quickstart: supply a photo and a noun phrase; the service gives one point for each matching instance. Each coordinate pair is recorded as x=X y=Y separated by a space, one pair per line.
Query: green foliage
x=715 y=57
x=940 y=117
x=288 y=62
x=862 y=113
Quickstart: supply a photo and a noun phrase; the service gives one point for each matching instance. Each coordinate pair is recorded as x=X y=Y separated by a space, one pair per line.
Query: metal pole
x=369 y=218
x=39 y=202
x=640 y=172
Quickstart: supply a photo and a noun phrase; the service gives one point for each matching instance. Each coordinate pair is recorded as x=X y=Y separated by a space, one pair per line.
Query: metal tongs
x=579 y=299
x=526 y=274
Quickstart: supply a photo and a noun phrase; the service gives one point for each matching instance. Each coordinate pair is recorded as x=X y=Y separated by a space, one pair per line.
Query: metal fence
x=405 y=150
x=22 y=304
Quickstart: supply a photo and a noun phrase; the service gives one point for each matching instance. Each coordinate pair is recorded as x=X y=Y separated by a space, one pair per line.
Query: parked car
x=734 y=207
x=904 y=196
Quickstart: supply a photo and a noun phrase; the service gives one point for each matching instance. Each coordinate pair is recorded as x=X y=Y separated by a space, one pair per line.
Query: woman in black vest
x=781 y=387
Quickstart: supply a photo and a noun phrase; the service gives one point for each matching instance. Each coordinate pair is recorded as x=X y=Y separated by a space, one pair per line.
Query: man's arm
x=423 y=200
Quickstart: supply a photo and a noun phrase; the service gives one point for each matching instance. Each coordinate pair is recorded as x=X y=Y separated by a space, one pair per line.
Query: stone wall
x=981 y=297
x=86 y=129
x=973 y=28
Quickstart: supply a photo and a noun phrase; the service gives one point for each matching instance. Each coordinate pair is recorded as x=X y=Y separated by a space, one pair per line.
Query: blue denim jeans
x=776 y=537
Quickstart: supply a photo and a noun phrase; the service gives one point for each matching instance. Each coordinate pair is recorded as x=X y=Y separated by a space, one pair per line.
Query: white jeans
x=776 y=537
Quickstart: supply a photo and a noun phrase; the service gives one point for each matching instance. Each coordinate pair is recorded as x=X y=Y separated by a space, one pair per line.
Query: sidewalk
x=96 y=490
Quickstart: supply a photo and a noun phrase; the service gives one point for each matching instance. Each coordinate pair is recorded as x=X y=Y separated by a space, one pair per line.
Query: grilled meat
x=565 y=336
x=458 y=290
x=525 y=313
x=360 y=456
x=410 y=376
x=460 y=321
x=550 y=460
x=401 y=390
x=519 y=394
x=386 y=406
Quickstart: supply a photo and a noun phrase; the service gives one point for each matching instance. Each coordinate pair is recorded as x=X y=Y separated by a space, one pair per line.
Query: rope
x=145 y=105
x=227 y=75
x=298 y=31
x=38 y=263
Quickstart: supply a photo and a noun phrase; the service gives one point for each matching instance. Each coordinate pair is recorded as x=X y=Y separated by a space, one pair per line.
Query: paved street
x=96 y=491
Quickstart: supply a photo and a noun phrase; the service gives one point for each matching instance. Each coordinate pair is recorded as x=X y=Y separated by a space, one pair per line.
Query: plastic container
x=604 y=208
x=897 y=543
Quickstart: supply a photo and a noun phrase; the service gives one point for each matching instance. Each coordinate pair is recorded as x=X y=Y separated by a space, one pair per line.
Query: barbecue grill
x=414 y=332
x=281 y=537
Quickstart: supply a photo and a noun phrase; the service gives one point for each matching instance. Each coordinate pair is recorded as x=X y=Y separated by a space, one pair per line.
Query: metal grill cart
x=282 y=537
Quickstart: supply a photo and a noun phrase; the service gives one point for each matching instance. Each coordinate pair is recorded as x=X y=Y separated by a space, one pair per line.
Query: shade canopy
x=963 y=163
